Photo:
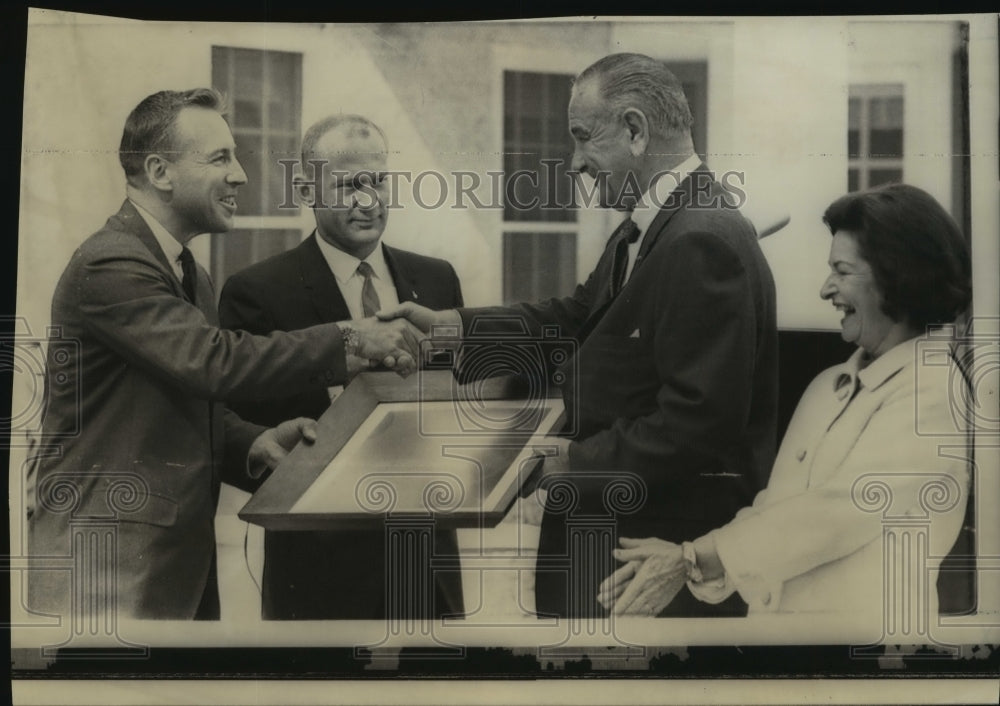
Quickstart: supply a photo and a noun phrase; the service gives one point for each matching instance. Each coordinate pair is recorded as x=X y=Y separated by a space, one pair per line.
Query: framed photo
x=425 y=445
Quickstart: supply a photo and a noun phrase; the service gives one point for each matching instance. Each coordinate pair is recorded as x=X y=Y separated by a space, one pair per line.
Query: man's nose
x=366 y=199
x=578 y=163
x=237 y=175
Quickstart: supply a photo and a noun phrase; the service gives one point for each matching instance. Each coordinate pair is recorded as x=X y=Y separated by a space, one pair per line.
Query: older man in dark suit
x=148 y=376
x=673 y=389
x=340 y=271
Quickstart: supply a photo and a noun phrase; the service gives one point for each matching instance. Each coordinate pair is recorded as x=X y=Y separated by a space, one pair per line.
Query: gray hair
x=639 y=81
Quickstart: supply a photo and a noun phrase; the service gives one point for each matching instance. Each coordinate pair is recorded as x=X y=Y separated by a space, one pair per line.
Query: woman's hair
x=918 y=254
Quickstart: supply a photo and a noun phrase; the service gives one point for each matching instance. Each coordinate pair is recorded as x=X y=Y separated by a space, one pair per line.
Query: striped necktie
x=369 y=297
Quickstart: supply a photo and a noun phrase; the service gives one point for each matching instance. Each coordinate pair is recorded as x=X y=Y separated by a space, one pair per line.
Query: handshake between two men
x=392 y=339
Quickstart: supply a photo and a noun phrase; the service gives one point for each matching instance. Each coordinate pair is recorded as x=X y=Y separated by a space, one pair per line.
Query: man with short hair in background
x=149 y=376
x=341 y=271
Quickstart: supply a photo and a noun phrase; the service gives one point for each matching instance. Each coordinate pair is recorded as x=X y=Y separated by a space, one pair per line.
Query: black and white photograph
x=554 y=359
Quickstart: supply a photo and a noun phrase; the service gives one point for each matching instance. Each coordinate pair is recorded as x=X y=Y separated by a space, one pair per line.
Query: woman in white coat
x=865 y=443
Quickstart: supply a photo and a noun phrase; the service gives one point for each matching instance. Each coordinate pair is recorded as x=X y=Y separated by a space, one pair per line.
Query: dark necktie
x=369 y=297
x=190 y=279
x=627 y=233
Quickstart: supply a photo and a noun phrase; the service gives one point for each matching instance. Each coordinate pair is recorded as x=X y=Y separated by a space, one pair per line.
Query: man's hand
x=357 y=365
x=268 y=449
x=427 y=320
x=395 y=343
x=654 y=574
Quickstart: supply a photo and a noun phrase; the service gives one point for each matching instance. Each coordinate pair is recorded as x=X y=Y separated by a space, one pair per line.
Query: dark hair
x=918 y=254
x=365 y=128
x=642 y=82
x=149 y=127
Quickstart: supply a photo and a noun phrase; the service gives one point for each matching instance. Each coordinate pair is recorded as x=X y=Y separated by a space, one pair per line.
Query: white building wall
x=777 y=111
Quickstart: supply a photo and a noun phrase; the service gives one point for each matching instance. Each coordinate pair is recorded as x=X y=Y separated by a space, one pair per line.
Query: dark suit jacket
x=674 y=381
x=146 y=375
x=324 y=575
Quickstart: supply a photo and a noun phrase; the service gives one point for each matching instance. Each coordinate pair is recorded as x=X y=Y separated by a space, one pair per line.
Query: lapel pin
x=414 y=295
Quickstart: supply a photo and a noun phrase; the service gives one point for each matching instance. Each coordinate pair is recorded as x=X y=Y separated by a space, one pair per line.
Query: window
x=264 y=89
x=539 y=240
x=540 y=216
x=538 y=265
x=537 y=147
x=874 y=135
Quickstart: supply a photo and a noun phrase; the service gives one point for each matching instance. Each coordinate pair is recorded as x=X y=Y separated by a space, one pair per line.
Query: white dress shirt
x=652 y=199
x=171 y=247
x=345 y=269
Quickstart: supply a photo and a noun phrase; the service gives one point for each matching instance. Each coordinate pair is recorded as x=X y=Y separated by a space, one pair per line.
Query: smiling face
x=852 y=289
x=204 y=174
x=350 y=208
x=601 y=144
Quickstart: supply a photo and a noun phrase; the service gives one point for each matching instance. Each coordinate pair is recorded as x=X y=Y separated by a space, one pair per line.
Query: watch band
x=352 y=341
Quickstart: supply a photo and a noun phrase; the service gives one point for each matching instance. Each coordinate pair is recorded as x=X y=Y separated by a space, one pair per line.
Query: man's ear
x=157 y=171
x=638 y=129
x=305 y=189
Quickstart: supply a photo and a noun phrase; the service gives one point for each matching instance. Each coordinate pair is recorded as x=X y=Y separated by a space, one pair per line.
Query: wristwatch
x=352 y=341
x=690 y=557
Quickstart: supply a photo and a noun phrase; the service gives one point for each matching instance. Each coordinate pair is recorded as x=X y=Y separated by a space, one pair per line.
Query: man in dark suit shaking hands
x=341 y=271
x=673 y=388
x=136 y=434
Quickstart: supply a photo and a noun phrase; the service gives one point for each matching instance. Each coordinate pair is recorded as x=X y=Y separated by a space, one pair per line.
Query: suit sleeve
x=456 y=288
x=568 y=313
x=127 y=304
x=704 y=344
x=239 y=436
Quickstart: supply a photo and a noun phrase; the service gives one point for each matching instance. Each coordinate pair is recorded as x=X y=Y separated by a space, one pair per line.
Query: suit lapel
x=679 y=198
x=130 y=221
x=604 y=272
x=406 y=284
x=319 y=282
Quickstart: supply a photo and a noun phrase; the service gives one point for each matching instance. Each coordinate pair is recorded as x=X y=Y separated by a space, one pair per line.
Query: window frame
x=863 y=161
x=296 y=219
